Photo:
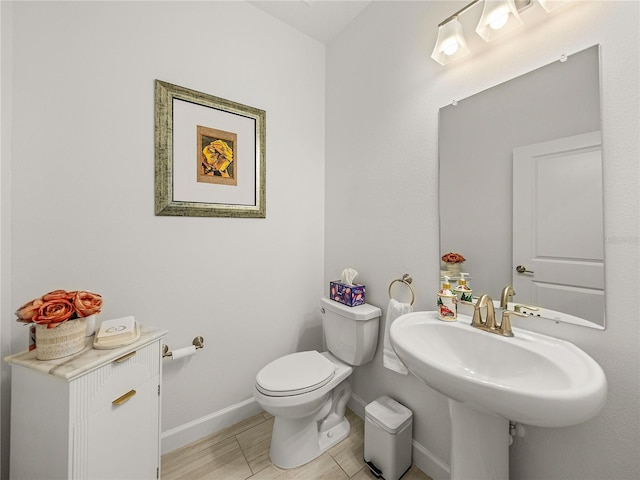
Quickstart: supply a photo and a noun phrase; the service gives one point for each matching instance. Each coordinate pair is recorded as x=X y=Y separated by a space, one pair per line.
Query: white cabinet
x=94 y=415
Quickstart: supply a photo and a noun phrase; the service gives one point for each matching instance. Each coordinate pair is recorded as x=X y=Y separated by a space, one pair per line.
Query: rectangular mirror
x=521 y=189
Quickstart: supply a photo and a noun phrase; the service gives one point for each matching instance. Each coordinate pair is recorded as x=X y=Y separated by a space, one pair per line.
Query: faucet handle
x=505 y=324
x=518 y=308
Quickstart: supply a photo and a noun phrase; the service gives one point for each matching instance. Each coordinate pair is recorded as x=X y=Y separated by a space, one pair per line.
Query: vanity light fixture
x=450 y=44
x=498 y=17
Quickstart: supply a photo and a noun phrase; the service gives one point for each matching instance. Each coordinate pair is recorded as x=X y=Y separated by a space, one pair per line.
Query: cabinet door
x=122 y=439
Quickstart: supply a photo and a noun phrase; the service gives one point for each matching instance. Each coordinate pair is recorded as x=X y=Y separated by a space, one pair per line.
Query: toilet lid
x=295 y=374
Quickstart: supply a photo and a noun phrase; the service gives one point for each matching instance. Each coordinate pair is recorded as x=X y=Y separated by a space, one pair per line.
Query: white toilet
x=307 y=392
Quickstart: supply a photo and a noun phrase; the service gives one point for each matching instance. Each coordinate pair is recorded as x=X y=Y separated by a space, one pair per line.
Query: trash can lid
x=388 y=414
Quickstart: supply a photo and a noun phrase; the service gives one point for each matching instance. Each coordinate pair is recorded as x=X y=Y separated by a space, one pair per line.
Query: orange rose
x=26 y=312
x=452 y=257
x=54 y=312
x=59 y=295
x=87 y=303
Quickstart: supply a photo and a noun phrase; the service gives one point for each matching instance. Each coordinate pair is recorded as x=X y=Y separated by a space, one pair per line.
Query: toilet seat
x=295 y=374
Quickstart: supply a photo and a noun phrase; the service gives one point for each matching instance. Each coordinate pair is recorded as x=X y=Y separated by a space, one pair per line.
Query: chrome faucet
x=489 y=324
x=507 y=292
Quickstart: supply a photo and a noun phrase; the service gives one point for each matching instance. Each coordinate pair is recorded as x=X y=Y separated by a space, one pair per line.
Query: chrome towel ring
x=405 y=280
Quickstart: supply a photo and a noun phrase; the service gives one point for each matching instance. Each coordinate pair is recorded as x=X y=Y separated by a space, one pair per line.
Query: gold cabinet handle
x=125 y=357
x=124 y=398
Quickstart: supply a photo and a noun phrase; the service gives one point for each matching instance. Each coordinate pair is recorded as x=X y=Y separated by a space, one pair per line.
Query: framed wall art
x=209 y=155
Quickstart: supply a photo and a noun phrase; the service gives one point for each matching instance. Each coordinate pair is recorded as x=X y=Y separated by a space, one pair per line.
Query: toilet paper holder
x=198 y=342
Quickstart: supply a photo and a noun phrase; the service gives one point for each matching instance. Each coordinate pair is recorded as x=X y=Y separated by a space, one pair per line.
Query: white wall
x=6 y=29
x=83 y=186
x=82 y=192
x=383 y=96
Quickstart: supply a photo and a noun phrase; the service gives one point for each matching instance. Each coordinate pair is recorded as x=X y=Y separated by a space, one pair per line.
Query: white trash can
x=387 y=438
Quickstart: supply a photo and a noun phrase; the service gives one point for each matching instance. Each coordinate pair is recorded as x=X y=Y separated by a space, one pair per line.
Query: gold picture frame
x=210 y=155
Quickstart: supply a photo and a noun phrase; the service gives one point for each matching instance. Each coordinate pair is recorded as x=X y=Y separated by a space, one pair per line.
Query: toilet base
x=293 y=450
x=309 y=424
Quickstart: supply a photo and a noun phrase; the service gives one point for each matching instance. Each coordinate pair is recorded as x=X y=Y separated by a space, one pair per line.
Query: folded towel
x=389 y=359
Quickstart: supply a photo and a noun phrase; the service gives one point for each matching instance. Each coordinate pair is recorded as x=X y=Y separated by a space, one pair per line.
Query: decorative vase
x=91 y=324
x=453 y=268
x=66 y=339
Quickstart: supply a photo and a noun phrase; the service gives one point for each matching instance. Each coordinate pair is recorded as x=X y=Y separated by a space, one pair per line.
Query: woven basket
x=64 y=340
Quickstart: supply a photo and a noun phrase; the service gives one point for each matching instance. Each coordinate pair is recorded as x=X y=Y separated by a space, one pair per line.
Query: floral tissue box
x=350 y=295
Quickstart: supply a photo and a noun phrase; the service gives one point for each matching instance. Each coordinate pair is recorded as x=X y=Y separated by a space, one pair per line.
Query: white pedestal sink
x=529 y=378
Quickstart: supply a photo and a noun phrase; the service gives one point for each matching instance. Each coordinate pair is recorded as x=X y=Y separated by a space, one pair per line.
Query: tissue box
x=350 y=295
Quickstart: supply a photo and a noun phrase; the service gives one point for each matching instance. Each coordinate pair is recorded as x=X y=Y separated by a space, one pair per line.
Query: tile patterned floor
x=241 y=452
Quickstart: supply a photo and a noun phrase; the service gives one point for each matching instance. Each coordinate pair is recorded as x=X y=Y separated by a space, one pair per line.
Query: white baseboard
x=356 y=404
x=201 y=427
x=429 y=463
x=424 y=459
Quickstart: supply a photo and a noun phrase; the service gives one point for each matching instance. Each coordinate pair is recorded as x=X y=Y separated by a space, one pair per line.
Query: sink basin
x=529 y=378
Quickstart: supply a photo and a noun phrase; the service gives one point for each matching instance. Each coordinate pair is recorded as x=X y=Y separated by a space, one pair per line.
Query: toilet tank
x=351 y=333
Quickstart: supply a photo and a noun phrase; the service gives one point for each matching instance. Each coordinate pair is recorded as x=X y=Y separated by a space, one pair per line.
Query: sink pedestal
x=479 y=444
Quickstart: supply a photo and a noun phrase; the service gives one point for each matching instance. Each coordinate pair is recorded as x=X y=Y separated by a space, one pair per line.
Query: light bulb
x=498 y=17
x=499 y=20
x=450 y=47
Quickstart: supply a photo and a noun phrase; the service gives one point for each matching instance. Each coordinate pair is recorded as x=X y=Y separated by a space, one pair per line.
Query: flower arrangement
x=58 y=306
x=452 y=257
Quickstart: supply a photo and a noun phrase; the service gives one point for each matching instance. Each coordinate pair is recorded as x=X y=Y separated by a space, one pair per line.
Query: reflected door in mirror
x=557 y=225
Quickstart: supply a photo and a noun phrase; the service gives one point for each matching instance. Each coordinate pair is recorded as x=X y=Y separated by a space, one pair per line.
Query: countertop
x=86 y=360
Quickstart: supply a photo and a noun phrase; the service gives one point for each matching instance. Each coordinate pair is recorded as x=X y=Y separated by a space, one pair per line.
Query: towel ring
x=406 y=280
